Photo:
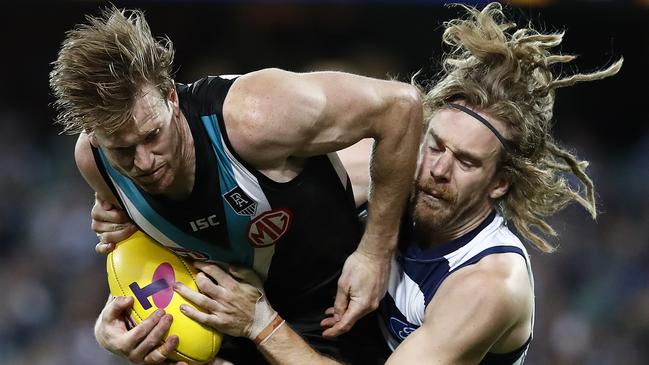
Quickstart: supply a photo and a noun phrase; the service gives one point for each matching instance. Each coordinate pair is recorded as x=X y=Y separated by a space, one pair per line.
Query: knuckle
x=149 y=343
x=213 y=320
x=154 y=358
x=133 y=358
x=230 y=286
x=201 y=281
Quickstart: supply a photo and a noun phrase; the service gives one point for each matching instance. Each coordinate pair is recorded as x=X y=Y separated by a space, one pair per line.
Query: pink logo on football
x=163 y=297
x=161 y=287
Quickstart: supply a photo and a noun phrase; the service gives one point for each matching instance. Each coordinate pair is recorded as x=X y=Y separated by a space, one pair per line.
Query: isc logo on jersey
x=269 y=227
x=203 y=223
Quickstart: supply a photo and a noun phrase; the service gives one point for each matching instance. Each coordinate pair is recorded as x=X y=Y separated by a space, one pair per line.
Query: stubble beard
x=431 y=214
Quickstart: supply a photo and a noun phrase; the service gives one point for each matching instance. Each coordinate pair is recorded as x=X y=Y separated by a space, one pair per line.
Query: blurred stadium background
x=592 y=295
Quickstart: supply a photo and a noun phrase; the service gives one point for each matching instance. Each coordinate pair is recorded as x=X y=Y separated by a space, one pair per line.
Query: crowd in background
x=592 y=295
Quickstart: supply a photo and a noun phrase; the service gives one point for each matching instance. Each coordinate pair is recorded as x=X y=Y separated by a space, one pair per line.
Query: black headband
x=507 y=145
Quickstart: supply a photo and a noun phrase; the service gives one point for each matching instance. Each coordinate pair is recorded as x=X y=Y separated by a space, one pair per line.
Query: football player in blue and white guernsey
x=461 y=289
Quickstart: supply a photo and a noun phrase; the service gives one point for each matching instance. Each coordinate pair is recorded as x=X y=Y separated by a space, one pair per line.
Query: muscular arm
x=109 y=220
x=480 y=308
x=88 y=169
x=287 y=347
x=288 y=115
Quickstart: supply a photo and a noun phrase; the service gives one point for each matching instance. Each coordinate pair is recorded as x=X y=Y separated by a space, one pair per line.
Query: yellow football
x=145 y=270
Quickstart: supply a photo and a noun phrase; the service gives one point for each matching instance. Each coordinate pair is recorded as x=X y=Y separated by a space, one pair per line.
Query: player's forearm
x=392 y=171
x=286 y=347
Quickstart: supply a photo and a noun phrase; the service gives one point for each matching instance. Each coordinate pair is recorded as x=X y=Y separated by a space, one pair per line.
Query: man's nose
x=143 y=158
x=442 y=166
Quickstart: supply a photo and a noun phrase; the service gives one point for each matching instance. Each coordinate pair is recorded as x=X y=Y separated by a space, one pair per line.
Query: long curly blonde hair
x=505 y=72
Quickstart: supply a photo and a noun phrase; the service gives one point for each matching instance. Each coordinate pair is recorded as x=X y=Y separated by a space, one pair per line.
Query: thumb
x=105 y=204
x=341 y=302
x=117 y=307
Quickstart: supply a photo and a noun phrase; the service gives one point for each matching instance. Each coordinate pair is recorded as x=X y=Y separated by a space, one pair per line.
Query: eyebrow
x=146 y=134
x=458 y=152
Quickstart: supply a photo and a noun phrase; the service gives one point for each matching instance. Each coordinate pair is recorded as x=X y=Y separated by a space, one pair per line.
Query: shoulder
x=87 y=166
x=271 y=110
x=268 y=93
x=498 y=286
x=474 y=308
x=83 y=155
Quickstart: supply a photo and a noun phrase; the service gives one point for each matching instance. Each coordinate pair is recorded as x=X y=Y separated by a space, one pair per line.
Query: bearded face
x=456 y=183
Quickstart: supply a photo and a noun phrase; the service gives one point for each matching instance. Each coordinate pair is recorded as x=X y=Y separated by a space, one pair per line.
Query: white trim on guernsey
x=495 y=234
x=250 y=185
x=228 y=77
x=338 y=166
x=407 y=295
x=149 y=228
x=409 y=298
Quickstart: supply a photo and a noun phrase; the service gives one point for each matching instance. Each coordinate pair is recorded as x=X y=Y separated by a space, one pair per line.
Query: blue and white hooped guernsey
x=417 y=273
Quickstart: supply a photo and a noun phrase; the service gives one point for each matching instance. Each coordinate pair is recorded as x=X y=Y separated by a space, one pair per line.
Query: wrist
x=378 y=247
x=269 y=330
x=263 y=317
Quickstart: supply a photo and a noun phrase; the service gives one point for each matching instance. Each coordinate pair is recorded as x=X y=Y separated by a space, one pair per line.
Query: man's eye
x=153 y=134
x=467 y=164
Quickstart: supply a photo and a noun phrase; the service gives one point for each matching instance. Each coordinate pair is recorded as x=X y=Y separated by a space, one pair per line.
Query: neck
x=454 y=229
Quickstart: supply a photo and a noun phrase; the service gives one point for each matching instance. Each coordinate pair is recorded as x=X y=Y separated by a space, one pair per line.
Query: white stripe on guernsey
x=494 y=234
x=250 y=185
x=406 y=294
x=521 y=359
x=141 y=221
x=338 y=166
x=228 y=77
x=530 y=274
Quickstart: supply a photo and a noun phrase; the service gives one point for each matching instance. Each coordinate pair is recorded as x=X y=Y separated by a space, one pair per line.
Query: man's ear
x=500 y=186
x=172 y=96
x=93 y=139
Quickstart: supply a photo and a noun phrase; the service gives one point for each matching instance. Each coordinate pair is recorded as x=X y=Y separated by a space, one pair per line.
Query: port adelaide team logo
x=240 y=202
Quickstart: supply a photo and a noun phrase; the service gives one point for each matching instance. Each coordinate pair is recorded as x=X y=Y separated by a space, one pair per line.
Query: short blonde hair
x=506 y=73
x=102 y=67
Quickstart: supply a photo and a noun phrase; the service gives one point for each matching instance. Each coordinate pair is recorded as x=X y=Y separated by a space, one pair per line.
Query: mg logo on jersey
x=269 y=227
x=240 y=202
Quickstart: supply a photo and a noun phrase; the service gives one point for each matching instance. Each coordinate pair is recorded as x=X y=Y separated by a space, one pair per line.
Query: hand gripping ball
x=145 y=270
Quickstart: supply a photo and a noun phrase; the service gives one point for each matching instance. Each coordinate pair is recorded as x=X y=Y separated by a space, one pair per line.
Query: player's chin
x=158 y=186
x=427 y=204
x=152 y=188
x=431 y=210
